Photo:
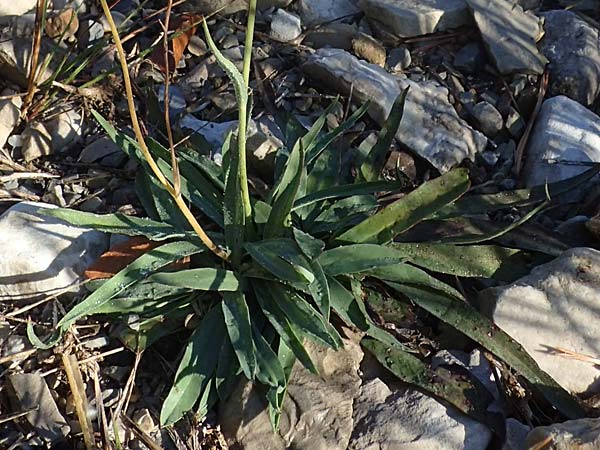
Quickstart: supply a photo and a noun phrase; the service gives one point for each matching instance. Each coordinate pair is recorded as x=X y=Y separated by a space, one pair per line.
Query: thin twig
x=79 y=398
x=25 y=176
x=174 y=165
x=207 y=241
x=520 y=150
x=35 y=55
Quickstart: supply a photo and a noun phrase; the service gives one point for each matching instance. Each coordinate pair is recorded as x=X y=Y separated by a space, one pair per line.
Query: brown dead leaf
x=184 y=28
x=123 y=254
x=64 y=24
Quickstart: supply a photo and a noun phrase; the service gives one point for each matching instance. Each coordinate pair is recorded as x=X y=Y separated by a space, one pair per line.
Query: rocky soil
x=507 y=88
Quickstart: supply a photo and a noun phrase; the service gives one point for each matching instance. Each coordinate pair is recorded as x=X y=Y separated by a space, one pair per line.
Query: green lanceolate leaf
x=276 y=395
x=465 y=394
x=409 y=210
x=356 y=258
x=305 y=317
x=477 y=239
x=353 y=312
x=201 y=279
x=486 y=203
x=407 y=274
x=371 y=168
x=319 y=289
x=234 y=213
x=286 y=192
x=140 y=269
x=482 y=330
x=346 y=190
x=287 y=330
x=283 y=258
x=229 y=68
x=462 y=261
x=117 y=224
x=239 y=328
x=269 y=370
x=196 y=367
x=323 y=143
x=310 y=246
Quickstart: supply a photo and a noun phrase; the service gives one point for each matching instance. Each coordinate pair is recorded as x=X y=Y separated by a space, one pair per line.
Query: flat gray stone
x=409 y=18
x=30 y=391
x=15 y=54
x=54 y=136
x=408 y=419
x=556 y=305
x=98 y=149
x=315 y=12
x=564 y=131
x=516 y=433
x=16 y=7
x=488 y=118
x=42 y=255
x=225 y=7
x=510 y=35
x=317 y=412
x=10 y=109
x=285 y=26
x=573 y=48
x=430 y=126
x=581 y=434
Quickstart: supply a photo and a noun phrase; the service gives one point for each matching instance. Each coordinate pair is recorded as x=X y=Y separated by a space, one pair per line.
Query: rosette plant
x=268 y=273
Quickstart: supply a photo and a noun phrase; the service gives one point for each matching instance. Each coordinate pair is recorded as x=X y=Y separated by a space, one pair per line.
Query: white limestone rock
x=510 y=35
x=430 y=125
x=409 y=18
x=406 y=418
x=564 y=131
x=42 y=255
x=573 y=48
x=315 y=12
x=556 y=305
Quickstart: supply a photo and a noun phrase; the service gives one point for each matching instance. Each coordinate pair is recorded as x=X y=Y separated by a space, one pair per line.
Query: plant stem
x=249 y=39
x=144 y=148
x=243 y=111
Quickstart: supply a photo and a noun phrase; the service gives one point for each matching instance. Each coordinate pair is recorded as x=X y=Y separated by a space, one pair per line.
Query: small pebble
x=488 y=118
x=399 y=59
x=285 y=26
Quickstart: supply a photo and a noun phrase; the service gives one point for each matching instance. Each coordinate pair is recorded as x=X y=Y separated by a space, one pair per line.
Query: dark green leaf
x=465 y=394
x=201 y=279
x=352 y=311
x=305 y=317
x=284 y=327
x=117 y=224
x=486 y=203
x=323 y=143
x=371 y=168
x=269 y=370
x=140 y=269
x=310 y=246
x=196 y=367
x=355 y=258
x=410 y=210
x=475 y=325
x=282 y=258
x=346 y=190
x=239 y=328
